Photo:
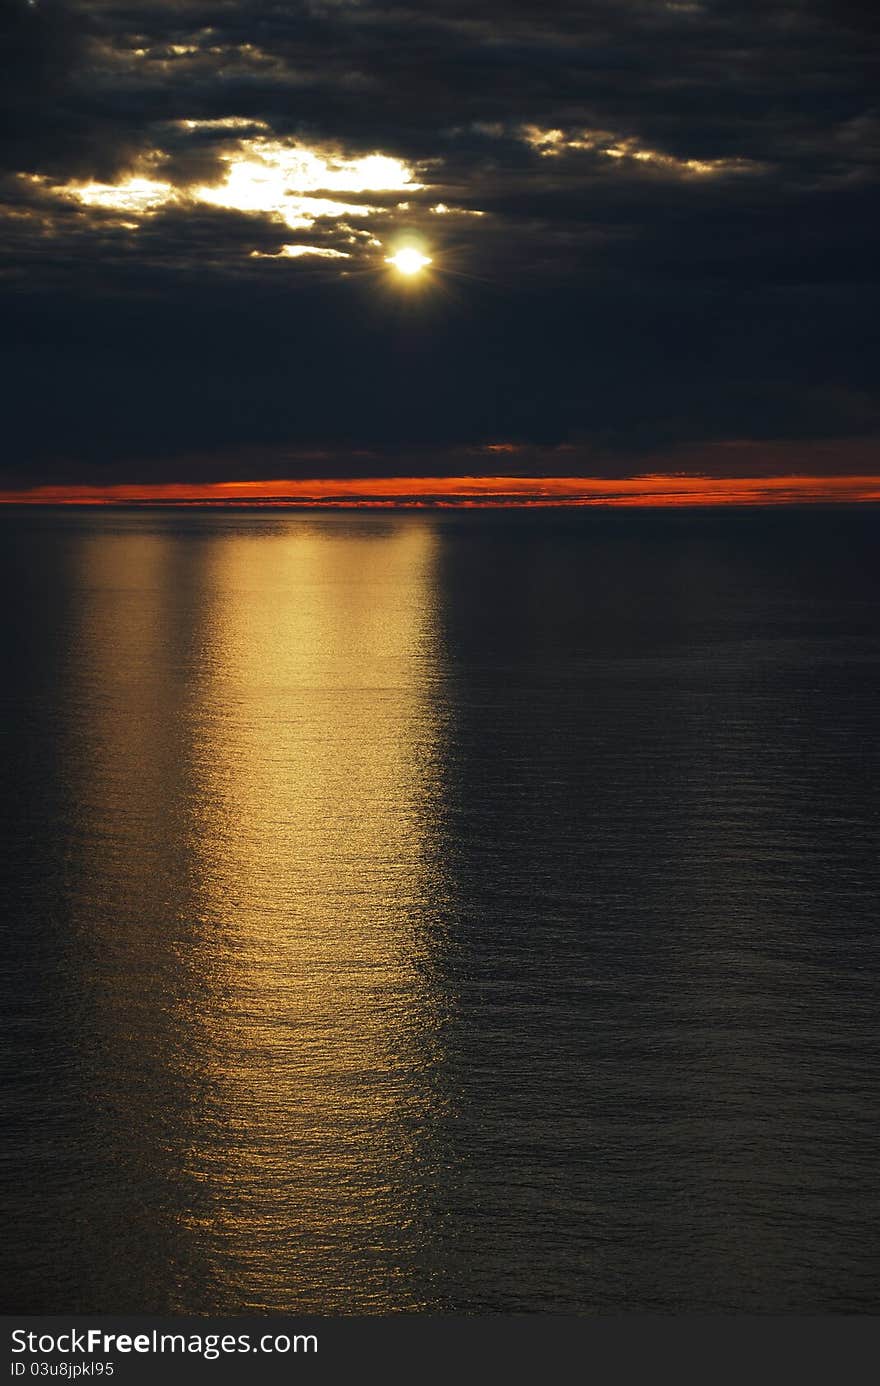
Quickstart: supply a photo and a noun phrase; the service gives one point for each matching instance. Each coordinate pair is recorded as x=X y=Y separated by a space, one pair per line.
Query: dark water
x=469 y=913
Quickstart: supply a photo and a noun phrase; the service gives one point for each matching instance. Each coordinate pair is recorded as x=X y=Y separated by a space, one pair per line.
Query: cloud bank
x=650 y=225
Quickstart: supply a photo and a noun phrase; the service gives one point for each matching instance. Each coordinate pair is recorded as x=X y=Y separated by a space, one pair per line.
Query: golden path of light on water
x=315 y=861
x=130 y=790
x=275 y=768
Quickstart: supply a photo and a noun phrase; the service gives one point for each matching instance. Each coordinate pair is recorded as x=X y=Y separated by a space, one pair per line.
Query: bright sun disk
x=409 y=260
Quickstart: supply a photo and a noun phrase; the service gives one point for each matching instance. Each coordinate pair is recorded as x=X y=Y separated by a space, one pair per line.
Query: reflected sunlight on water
x=315 y=861
x=295 y=728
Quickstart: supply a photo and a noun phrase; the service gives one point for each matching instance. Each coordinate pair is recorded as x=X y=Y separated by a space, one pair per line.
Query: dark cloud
x=674 y=244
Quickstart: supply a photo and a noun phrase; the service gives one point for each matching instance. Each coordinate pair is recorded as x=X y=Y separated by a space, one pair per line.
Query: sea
x=440 y=912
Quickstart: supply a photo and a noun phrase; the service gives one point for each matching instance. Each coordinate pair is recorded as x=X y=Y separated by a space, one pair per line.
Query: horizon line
x=464 y=492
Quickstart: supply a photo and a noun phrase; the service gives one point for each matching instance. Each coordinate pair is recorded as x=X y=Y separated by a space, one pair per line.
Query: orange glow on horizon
x=652 y=489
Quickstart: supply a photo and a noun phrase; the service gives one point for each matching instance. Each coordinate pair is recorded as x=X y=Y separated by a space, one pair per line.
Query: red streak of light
x=468 y=492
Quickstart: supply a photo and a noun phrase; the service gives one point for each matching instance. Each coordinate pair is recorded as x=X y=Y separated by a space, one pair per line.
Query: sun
x=409 y=261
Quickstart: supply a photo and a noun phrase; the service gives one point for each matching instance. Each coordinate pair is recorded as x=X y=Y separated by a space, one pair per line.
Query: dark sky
x=652 y=229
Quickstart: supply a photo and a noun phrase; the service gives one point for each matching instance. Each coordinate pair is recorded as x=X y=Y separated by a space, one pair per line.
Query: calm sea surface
x=450 y=913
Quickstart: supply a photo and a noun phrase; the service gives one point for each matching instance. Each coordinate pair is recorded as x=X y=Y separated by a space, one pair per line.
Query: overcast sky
x=652 y=230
